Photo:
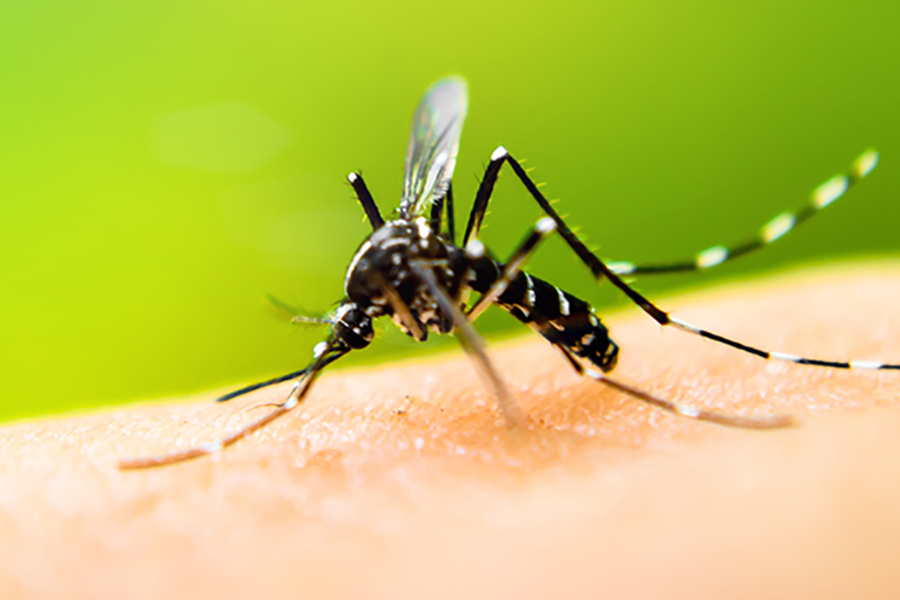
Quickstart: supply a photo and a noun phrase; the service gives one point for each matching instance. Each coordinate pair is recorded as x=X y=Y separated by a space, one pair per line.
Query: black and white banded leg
x=569 y=323
x=774 y=230
x=864 y=164
x=770 y=355
x=598 y=268
x=325 y=354
x=294 y=318
x=275 y=380
x=483 y=196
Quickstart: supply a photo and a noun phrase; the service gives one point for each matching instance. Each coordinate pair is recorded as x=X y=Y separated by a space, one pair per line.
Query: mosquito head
x=352 y=326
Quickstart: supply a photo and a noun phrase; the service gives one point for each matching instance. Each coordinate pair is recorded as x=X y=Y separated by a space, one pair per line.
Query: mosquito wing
x=433 y=145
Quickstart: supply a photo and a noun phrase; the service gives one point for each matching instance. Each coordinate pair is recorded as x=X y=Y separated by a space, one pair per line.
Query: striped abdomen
x=559 y=316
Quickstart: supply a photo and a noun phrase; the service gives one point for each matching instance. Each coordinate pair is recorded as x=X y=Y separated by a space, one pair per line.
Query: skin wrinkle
x=401 y=479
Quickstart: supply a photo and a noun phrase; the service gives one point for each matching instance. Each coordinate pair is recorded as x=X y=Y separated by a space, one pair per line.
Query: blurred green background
x=166 y=164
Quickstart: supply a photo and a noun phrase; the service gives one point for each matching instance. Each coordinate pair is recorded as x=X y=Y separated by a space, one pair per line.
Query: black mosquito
x=412 y=270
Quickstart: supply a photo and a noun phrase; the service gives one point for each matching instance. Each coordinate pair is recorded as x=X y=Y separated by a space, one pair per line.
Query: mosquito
x=412 y=269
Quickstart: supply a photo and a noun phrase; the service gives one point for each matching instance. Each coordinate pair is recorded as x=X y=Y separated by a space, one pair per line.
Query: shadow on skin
x=401 y=481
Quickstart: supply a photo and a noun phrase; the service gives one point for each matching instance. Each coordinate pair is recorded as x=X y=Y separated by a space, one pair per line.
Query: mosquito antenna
x=285 y=310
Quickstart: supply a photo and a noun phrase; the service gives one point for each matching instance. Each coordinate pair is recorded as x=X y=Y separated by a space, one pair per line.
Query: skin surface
x=400 y=481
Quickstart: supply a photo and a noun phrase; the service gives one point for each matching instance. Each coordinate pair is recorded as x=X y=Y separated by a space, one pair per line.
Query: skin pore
x=401 y=481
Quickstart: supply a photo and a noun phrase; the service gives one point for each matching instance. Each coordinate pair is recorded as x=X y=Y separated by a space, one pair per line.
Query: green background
x=164 y=165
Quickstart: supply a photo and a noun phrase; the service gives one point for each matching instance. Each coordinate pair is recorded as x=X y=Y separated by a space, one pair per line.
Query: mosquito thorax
x=383 y=261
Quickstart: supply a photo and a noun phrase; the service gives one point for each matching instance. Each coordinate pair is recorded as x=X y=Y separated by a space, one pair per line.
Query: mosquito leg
x=436 y=213
x=663 y=318
x=600 y=269
x=451 y=215
x=324 y=357
x=824 y=195
x=513 y=266
x=762 y=422
x=815 y=362
x=437 y=208
x=290 y=311
x=483 y=196
x=775 y=229
x=471 y=343
x=262 y=384
x=365 y=198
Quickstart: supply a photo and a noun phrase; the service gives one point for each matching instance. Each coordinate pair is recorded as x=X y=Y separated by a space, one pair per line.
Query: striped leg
x=513 y=266
x=486 y=188
x=768 y=355
x=663 y=318
x=263 y=384
x=599 y=269
x=290 y=313
x=325 y=355
x=775 y=229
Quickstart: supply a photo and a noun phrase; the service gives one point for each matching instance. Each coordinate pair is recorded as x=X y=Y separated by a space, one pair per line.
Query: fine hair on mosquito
x=412 y=269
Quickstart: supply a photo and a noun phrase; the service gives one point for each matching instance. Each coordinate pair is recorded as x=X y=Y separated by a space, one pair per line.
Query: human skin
x=401 y=481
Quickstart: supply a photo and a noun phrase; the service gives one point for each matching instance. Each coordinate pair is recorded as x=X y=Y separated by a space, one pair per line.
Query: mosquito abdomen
x=556 y=314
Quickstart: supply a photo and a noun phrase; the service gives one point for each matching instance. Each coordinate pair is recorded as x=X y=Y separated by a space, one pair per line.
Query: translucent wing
x=433 y=145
